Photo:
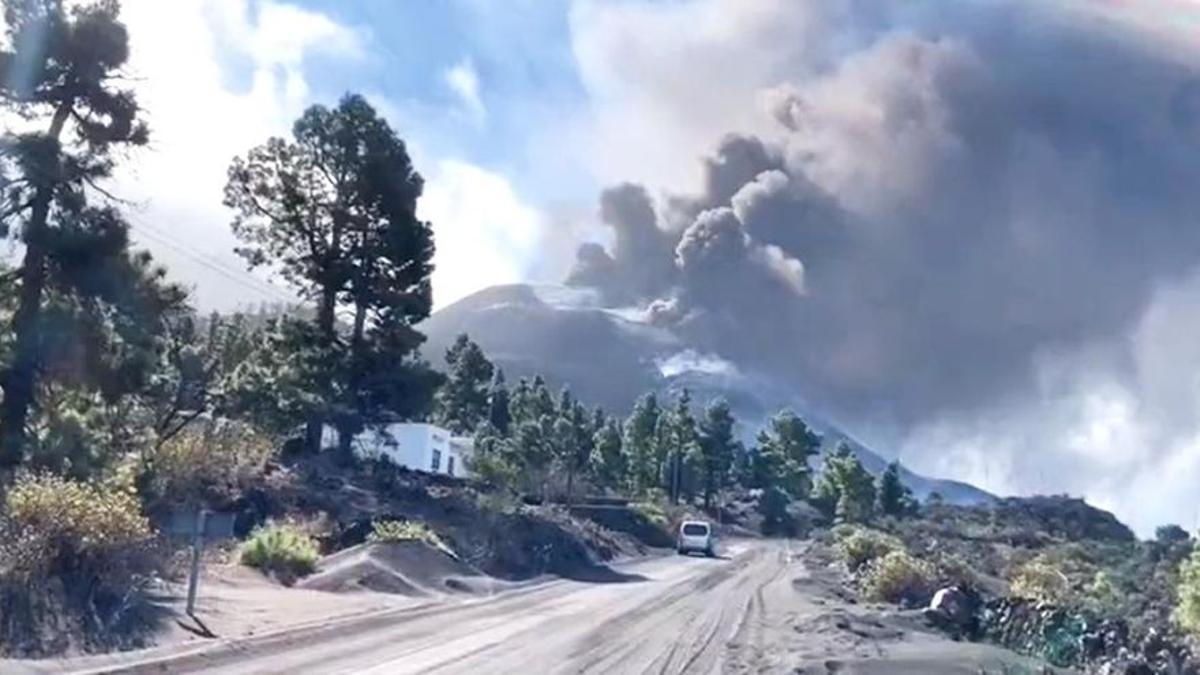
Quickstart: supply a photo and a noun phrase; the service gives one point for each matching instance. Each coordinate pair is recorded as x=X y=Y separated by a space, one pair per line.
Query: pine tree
x=683 y=444
x=106 y=305
x=846 y=489
x=573 y=440
x=640 y=442
x=462 y=401
x=519 y=405
x=895 y=499
x=718 y=448
x=610 y=454
x=784 y=449
x=499 y=415
x=334 y=210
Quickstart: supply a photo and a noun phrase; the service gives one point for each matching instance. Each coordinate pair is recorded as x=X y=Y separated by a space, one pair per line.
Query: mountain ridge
x=610 y=355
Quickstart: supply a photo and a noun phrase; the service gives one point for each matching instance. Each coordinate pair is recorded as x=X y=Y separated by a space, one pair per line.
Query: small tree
x=498 y=411
x=895 y=499
x=572 y=440
x=784 y=449
x=462 y=402
x=846 y=489
x=640 y=442
x=1170 y=535
x=681 y=441
x=718 y=448
x=613 y=469
x=1187 y=611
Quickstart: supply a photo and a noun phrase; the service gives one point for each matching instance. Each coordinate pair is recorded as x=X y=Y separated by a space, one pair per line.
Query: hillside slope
x=610 y=356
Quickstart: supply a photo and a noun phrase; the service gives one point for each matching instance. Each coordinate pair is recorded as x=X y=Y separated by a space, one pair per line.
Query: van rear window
x=695 y=530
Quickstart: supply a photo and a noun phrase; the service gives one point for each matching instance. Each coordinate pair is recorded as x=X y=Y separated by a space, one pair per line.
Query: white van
x=698 y=536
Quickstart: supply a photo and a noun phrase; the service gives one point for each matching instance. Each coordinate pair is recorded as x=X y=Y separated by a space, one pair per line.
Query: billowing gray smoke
x=950 y=208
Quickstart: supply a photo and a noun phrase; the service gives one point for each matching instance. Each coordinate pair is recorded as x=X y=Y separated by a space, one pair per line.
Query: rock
x=951 y=604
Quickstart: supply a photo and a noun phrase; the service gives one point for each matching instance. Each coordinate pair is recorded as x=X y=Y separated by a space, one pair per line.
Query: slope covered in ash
x=610 y=356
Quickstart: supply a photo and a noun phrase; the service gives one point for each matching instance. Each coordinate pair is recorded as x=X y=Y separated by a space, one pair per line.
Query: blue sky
x=520 y=53
x=479 y=90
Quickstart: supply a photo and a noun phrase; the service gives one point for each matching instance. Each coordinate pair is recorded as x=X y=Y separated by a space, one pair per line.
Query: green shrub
x=64 y=525
x=493 y=468
x=953 y=570
x=1187 y=609
x=498 y=502
x=208 y=464
x=75 y=558
x=653 y=512
x=1040 y=580
x=393 y=531
x=898 y=577
x=282 y=549
x=858 y=546
x=1101 y=594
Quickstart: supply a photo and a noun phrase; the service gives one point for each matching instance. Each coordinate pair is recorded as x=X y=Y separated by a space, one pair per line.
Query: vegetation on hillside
x=1049 y=576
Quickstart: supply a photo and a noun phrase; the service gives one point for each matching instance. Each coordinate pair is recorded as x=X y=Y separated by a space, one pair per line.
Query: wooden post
x=197 y=551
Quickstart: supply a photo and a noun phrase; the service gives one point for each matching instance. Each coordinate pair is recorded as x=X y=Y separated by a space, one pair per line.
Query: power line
x=242 y=279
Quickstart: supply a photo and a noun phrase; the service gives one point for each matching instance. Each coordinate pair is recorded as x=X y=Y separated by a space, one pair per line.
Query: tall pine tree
x=333 y=210
x=641 y=443
x=81 y=297
x=718 y=448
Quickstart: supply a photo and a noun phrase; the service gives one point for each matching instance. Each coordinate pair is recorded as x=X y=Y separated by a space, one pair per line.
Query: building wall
x=412 y=445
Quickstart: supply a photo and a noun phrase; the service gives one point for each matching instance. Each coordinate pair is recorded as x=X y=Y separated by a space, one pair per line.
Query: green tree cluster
x=846 y=490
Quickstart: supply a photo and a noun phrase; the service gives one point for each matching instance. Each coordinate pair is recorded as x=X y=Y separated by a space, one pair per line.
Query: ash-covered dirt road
x=758 y=609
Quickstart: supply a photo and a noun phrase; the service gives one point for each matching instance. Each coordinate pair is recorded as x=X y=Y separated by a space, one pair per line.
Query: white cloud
x=184 y=54
x=463 y=80
x=484 y=233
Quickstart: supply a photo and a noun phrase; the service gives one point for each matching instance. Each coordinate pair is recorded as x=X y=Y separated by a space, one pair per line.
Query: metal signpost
x=200 y=525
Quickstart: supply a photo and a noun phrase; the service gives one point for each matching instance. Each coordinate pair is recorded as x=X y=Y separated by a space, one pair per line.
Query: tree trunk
x=675 y=479
x=20 y=381
x=325 y=326
x=570 y=486
x=347 y=427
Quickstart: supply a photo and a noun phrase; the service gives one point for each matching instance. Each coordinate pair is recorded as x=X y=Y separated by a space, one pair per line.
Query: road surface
x=755 y=610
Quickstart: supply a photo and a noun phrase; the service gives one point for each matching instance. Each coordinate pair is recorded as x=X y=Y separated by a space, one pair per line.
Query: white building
x=416 y=445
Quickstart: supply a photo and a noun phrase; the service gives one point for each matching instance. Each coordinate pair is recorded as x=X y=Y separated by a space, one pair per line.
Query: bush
x=1187 y=610
x=858 y=546
x=774 y=508
x=64 y=525
x=492 y=468
x=210 y=464
x=953 y=570
x=394 y=531
x=1040 y=580
x=74 y=556
x=1170 y=535
x=653 y=512
x=1101 y=594
x=284 y=550
x=899 y=577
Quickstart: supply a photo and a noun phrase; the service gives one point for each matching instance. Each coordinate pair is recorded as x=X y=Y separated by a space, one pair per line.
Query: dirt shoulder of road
x=234 y=603
x=760 y=608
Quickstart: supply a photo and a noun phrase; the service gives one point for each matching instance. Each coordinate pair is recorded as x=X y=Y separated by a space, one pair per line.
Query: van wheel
x=710 y=553
x=682 y=551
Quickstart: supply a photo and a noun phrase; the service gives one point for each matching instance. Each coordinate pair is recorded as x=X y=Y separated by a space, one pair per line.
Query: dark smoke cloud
x=958 y=196
x=640 y=266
